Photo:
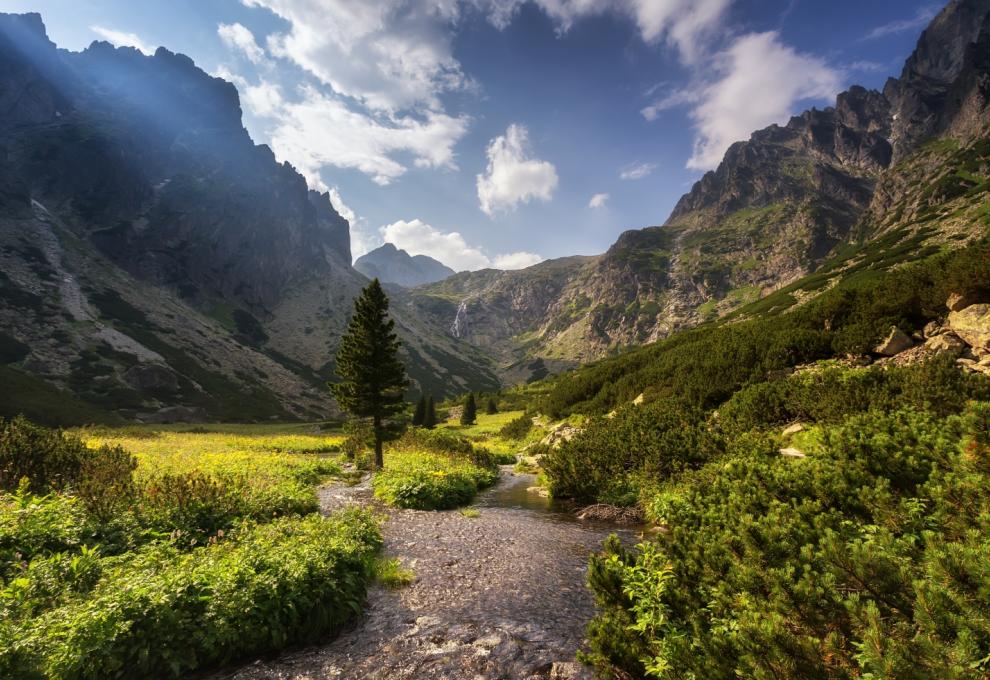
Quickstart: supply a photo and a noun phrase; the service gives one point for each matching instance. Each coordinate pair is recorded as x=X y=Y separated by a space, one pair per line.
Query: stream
x=501 y=595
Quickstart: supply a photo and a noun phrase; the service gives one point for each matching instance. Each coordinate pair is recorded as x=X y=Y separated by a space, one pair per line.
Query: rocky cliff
x=898 y=172
x=154 y=257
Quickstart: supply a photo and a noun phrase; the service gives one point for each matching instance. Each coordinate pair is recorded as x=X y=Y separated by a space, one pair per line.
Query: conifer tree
x=492 y=407
x=419 y=415
x=430 y=419
x=372 y=378
x=470 y=413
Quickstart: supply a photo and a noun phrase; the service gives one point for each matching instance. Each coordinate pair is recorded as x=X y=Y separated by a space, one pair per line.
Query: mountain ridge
x=390 y=264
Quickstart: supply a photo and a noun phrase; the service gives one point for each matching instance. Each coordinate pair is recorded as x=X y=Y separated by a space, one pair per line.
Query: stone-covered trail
x=500 y=595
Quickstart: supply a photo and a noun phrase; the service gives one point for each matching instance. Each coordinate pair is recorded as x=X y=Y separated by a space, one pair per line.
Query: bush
x=604 y=462
x=866 y=559
x=165 y=613
x=517 y=428
x=52 y=460
x=33 y=526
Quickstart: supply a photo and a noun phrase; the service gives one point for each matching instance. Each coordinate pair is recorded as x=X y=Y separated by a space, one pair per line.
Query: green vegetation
x=433 y=470
x=390 y=573
x=373 y=380
x=199 y=549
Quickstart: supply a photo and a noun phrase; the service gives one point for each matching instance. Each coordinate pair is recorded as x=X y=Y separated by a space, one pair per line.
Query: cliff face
x=154 y=256
x=909 y=161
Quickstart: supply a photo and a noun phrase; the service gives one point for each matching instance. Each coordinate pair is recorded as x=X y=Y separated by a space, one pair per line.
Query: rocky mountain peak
x=390 y=264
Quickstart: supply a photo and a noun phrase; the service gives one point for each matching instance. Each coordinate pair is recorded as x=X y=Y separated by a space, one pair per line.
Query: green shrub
x=33 y=526
x=604 y=462
x=164 y=612
x=517 y=428
x=866 y=559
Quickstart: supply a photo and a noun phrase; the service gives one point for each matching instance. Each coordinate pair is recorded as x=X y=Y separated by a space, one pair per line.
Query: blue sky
x=501 y=132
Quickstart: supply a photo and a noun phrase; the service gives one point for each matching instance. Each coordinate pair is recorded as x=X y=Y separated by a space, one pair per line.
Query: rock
x=639 y=400
x=791 y=452
x=793 y=429
x=947 y=342
x=972 y=324
x=151 y=377
x=539 y=491
x=959 y=301
x=895 y=343
x=560 y=434
x=570 y=670
x=932 y=328
x=611 y=513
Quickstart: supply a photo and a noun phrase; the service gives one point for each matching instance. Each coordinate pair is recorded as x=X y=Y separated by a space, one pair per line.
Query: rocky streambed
x=500 y=595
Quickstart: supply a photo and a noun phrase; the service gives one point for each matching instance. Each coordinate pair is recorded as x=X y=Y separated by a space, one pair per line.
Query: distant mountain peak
x=391 y=264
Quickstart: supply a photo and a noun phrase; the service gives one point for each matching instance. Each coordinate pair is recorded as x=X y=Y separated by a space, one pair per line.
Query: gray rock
x=570 y=670
x=947 y=342
x=895 y=343
x=151 y=377
x=932 y=328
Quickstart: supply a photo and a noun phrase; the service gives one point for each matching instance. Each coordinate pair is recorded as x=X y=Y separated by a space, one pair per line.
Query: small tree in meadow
x=419 y=415
x=430 y=418
x=492 y=407
x=470 y=413
x=373 y=378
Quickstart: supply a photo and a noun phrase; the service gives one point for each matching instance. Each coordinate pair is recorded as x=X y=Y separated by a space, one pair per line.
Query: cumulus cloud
x=237 y=37
x=389 y=54
x=759 y=80
x=513 y=176
x=682 y=23
x=921 y=19
x=318 y=130
x=419 y=238
x=598 y=201
x=122 y=39
x=637 y=171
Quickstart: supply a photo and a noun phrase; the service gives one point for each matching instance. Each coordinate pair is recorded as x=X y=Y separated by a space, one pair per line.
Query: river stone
x=570 y=670
x=932 y=328
x=972 y=324
x=895 y=343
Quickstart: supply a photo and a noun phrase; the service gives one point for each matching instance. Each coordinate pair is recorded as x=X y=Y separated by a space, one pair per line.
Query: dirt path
x=501 y=595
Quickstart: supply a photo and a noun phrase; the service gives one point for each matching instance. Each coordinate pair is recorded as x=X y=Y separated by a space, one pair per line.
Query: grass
x=430 y=481
x=485 y=433
x=390 y=573
x=470 y=513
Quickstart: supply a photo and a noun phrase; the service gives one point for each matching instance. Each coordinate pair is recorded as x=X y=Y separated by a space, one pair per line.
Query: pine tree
x=492 y=407
x=470 y=413
x=430 y=419
x=373 y=378
x=419 y=415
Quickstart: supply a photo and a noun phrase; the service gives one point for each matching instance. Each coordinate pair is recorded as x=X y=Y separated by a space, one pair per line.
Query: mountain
x=154 y=261
x=389 y=264
x=904 y=170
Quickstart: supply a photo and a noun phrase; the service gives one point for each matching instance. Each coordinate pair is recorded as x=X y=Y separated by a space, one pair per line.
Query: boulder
x=895 y=343
x=791 y=452
x=560 y=434
x=932 y=328
x=972 y=324
x=794 y=429
x=947 y=342
x=959 y=301
x=638 y=401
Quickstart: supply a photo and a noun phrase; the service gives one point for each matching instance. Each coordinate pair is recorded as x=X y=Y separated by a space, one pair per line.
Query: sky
x=498 y=133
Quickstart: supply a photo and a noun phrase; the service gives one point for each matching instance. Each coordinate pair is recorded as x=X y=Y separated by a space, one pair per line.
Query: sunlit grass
x=485 y=432
x=429 y=481
x=261 y=454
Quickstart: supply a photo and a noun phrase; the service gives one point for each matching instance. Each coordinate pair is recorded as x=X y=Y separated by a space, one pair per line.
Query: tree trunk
x=379 y=458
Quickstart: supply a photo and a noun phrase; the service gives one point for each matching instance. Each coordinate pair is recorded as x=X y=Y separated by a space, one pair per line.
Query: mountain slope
x=154 y=257
x=898 y=169
x=389 y=264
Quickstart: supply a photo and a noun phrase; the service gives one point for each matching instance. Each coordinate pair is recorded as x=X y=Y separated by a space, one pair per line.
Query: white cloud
x=921 y=18
x=390 y=54
x=672 y=100
x=122 y=39
x=513 y=176
x=598 y=201
x=519 y=260
x=637 y=171
x=320 y=130
x=758 y=82
x=418 y=238
x=682 y=23
x=264 y=99
x=237 y=37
